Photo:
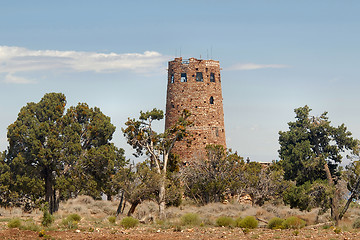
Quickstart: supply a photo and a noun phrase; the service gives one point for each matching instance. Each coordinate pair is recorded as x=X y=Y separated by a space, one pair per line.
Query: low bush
x=129 y=222
x=248 y=222
x=237 y=221
x=75 y=217
x=190 y=219
x=225 y=222
x=14 y=223
x=275 y=223
x=71 y=221
x=47 y=219
x=293 y=223
x=112 y=219
x=356 y=223
x=30 y=225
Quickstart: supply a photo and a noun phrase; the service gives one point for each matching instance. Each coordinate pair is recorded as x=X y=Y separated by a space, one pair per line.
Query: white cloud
x=10 y=78
x=254 y=66
x=17 y=59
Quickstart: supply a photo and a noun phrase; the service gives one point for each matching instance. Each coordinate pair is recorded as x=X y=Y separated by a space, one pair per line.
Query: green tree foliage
x=138 y=183
x=53 y=154
x=209 y=180
x=352 y=177
x=223 y=174
x=141 y=136
x=310 y=151
x=263 y=183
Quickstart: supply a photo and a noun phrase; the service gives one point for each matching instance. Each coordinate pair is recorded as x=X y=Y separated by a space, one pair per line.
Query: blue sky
x=276 y=56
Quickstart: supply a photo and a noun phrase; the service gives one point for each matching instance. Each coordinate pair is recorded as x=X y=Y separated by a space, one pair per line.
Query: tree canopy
x=310 y=153
x=312 y=145
x=53 y=154
x=157 y=146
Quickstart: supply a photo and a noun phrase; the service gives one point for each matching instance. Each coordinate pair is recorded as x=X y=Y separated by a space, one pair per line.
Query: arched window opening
x=212 y=77
x=211 y=100
x=199 y=77
x=172 y=78
x=183 y=77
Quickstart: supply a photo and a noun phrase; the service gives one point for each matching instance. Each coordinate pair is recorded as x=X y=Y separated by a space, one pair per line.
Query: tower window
x=212 y=77
x=211 y=100
x=183 y=77
x=199 y=77
x=172 y=80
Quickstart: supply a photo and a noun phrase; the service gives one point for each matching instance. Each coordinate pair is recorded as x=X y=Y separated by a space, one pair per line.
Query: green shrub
x=225 y=222
x=190 y=219
x=326 y=226
x=248 y=222
x=30 y=225
x=14 y=223
x=75 y=217
x=237 y=221
x=275 y=223
x=293 y=223
x=356 y=223
x=129 y=222
x=71 y=221
x=47 y=219
x=112 y=219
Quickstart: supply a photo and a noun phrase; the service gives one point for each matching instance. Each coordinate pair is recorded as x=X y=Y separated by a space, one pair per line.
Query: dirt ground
x=197 y=234
x=94 y=223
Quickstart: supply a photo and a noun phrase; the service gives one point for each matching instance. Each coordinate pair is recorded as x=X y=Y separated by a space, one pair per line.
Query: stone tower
x=195 y=85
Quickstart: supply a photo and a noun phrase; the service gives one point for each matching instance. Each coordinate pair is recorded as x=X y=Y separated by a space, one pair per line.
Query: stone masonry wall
x=202 y=98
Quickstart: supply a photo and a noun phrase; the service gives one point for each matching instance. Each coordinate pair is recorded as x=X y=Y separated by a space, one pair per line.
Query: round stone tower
x=195 y=85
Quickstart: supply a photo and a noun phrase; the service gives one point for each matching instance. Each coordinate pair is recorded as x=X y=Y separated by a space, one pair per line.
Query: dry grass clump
x=148 y=208
x=14 y=223
x=30 y=224
x=87 y=206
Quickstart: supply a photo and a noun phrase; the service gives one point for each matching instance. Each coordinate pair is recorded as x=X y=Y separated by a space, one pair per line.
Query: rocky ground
x=94 y=223
x=141 y=233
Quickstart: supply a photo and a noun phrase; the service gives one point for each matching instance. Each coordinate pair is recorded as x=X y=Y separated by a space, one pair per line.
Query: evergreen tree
x=310 y=153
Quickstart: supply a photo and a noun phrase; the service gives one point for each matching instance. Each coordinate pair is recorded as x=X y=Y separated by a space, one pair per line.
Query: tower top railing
x=185 y=61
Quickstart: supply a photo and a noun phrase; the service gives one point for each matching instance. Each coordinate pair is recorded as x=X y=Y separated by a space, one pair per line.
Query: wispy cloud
x=254 y=66
x=10 y=78
x=17 y=59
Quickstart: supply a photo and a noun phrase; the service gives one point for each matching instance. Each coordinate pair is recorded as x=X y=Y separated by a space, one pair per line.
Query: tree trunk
x=118 y=211
x=346 y=207
x=49 y=192
x=133 y=207
x=162 y=198
x=335 y=198
x=351 y=198
x=108 y=196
